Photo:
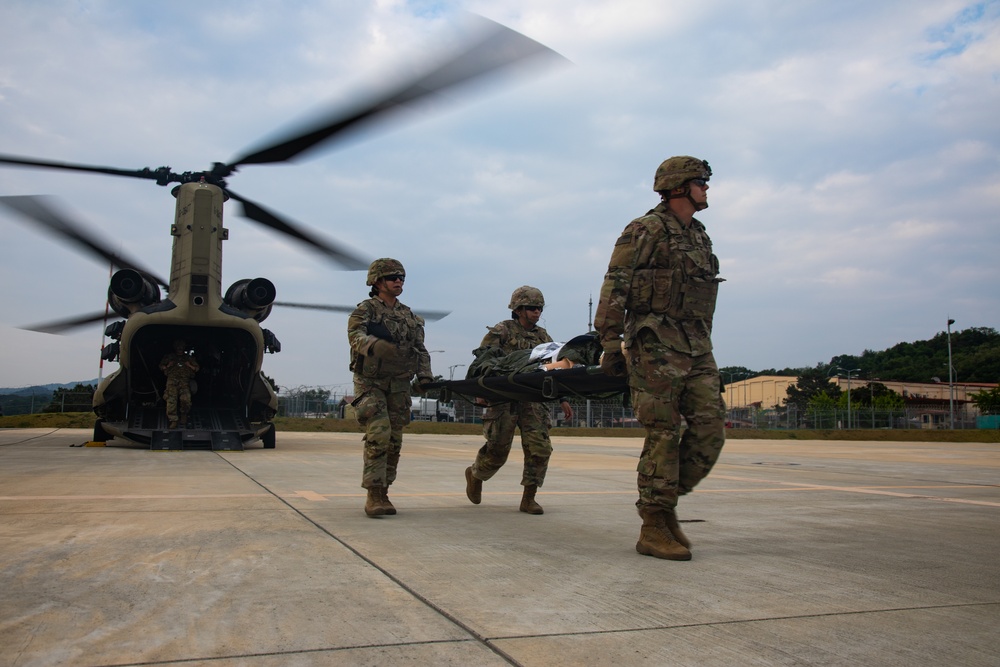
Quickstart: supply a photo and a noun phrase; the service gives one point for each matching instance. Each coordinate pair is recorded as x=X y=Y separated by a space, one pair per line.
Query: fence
x=911 y=417
x=612 y=414
x=45 y=401
x=593 y=414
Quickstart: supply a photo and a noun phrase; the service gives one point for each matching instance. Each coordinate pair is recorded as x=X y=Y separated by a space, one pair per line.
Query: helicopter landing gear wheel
x=268 y=438
x=100 y=435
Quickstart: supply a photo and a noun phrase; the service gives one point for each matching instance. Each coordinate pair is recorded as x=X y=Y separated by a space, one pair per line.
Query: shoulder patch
x=624 y=239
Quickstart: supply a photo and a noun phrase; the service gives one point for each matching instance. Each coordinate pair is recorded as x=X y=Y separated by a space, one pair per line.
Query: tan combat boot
x=386 y=505
x=473 y=487
x=675 y=528
x=528 y=503
x=655 y=538
x=373 y=505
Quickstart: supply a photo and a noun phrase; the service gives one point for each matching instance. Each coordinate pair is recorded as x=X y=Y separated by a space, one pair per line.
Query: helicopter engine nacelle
x=253 y=297
x=130 y=290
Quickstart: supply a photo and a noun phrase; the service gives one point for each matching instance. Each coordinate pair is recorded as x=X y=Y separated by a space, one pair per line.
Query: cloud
x=854 y=146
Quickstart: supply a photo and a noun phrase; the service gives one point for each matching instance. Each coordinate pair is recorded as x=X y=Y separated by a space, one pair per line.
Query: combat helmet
x=676 y=171
x=526 y=295
x=385 y=266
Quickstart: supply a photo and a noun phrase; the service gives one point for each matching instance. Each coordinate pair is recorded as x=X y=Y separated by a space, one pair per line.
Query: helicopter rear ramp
x=218 y=429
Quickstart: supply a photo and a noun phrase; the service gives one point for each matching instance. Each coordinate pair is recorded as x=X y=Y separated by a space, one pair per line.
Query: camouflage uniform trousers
x=178 y=398
x=499 y=424
x=666 y=385
x=383 y=415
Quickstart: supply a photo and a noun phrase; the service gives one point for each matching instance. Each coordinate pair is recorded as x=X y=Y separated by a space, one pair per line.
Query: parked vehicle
x=431 y=410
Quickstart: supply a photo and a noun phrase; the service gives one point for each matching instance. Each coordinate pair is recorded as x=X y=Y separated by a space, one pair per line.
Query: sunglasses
x=394 y=277
x=700 y=182
x=533 y=308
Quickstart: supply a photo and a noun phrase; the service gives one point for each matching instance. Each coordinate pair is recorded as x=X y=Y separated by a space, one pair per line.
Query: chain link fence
x=39 y=401
x=606 y=413
x=613 y=414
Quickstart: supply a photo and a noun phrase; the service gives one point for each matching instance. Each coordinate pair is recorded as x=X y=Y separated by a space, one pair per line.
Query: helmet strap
x=686 y=194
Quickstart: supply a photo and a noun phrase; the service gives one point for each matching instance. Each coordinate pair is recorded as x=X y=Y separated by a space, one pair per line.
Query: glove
x=383 y=349
x=613 y=363
x=422 y=384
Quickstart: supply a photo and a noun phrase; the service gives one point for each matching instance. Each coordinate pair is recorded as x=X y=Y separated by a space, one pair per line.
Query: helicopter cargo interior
x=222 y=390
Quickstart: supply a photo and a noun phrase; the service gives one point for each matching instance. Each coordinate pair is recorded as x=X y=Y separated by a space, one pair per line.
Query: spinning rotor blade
x=37 y=210
x=498 y=48
x=429 y=315
x=346 y=258
x=65 y=325
x=149 y=174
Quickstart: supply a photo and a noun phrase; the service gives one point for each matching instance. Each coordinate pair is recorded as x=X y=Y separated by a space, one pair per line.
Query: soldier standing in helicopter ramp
x=179 y=367
x=655 y=324
x=520 y=332
x=387 y=350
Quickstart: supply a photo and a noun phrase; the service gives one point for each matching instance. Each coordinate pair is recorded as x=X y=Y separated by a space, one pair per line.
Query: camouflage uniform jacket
x=407 y=331
x=510 y=336
x=175 y=366
x=664 y=277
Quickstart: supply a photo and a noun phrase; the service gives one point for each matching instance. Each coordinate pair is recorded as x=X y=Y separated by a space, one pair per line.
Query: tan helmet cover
x=526 y=295
x=674 y=172
x=385 y=266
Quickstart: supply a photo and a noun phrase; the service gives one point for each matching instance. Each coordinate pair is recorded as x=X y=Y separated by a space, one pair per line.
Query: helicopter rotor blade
x=61 y=326
x=42 y=211
x=317 y=306
x=429 y=315
x=146 y=173
x=348 y=259
x=500 y=47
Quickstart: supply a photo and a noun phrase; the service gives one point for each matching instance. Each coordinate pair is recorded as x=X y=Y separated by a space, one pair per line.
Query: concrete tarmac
x=805 y=553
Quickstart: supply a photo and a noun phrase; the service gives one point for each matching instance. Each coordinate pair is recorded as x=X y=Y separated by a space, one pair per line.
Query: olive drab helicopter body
x=233 y=403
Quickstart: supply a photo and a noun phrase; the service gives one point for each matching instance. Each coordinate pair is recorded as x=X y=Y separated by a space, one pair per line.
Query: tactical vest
x=680 y=278
x=403 y=333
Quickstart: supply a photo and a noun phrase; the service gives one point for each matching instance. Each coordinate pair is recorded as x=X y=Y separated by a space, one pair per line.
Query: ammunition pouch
x=669 y=292
x=698 y=300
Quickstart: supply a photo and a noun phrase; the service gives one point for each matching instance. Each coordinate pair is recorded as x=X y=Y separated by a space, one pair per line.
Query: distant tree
x=315 y=394
x=735 y=372
x=873 y=394
x=26 y=403
x=302 y=400
x=988 y=402
x=821 y=401
x=975 y=358
x=811 y=383
x=78 y=399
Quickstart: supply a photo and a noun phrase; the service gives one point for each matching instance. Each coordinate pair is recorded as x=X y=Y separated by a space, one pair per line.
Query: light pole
x=451 y=371
x=871 y=386
x=853 y=370
x=729 y=386
x=951 y=380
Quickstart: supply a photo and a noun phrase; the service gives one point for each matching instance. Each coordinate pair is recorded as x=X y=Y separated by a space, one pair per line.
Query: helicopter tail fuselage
x=232 y=402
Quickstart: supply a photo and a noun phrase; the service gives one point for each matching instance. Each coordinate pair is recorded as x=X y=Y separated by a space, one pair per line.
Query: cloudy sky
x=855 y=144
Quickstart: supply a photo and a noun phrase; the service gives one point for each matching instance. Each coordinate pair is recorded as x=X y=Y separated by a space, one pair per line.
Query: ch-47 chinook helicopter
x=234 y=403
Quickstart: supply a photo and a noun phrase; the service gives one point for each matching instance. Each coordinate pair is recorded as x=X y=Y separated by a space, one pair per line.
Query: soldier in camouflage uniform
x=179 y=367
x=520 y=332
x=655 y=323
x=387 y=350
